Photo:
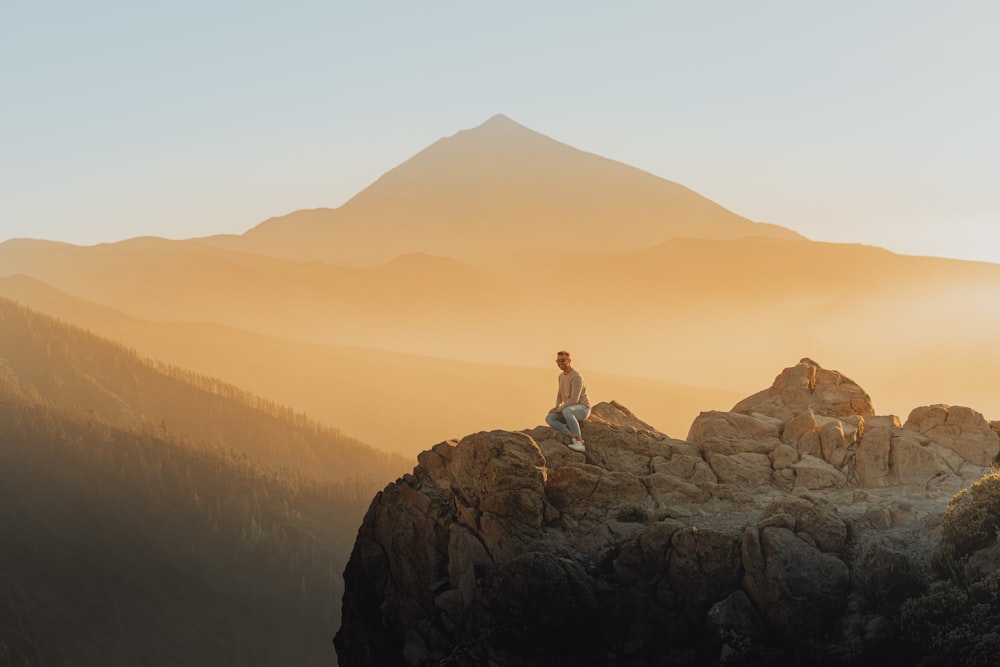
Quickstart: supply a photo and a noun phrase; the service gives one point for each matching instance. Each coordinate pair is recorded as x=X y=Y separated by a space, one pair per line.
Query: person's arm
x=560 y=393
x=576 y=389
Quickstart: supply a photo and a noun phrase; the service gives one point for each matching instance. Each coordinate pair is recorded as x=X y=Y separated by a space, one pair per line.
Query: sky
x=869 y=121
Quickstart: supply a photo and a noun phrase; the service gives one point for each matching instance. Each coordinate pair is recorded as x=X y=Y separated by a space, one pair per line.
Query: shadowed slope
x=64 y=365
x=123 y=547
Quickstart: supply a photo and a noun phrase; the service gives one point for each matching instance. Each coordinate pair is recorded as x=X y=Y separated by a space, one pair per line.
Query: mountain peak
x=499 y=123
x=501 y=187
x=500 y=120
x=501 y=133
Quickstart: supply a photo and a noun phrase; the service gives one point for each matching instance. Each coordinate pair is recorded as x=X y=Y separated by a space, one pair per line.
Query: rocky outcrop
x=507 y=548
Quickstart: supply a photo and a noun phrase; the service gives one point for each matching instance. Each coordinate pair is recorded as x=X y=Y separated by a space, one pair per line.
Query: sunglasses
x=561 y=361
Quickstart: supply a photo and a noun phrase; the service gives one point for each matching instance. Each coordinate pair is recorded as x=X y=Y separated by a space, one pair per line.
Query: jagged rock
x=508 y=548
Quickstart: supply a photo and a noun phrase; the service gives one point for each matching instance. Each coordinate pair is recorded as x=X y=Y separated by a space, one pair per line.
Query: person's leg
x=556 y=421
x=574 y=414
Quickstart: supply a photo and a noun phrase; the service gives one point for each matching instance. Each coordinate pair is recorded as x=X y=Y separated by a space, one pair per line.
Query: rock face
x=508 y=548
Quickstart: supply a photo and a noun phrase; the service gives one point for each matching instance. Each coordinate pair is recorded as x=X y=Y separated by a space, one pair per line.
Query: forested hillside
x=63 y=364
x=123 y=547
x=150 y=516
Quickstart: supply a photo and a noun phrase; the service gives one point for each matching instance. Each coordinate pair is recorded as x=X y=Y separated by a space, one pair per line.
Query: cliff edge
x=790 y=521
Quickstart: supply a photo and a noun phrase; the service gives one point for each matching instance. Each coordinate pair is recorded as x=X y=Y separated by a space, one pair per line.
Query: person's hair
x=563 y=352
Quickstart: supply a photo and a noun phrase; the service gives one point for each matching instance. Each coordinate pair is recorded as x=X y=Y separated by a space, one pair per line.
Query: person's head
x=563 y=359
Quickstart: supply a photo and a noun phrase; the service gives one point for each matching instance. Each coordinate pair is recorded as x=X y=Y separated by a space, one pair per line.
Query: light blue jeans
x=568 y=421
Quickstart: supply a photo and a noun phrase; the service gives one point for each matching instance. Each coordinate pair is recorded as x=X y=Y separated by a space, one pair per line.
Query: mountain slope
x=500 y=188
x=154 y=516
x=65 y=365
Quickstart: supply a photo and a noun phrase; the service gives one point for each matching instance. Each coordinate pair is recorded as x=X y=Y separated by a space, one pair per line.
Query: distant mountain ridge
x=500 y=188
x=156 y=278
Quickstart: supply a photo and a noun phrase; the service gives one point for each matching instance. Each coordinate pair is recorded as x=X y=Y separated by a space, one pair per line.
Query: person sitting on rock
x=572 y=404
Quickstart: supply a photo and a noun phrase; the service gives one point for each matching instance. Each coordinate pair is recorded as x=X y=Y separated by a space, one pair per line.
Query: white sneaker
x=577 y=445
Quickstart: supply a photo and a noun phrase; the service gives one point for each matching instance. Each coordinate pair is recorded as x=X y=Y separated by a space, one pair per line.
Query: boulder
x=798 y=589
x=668 y=490
x=729 y=427
x=647 y=554
x=800 y=426
x=836 y=440
x=808 y=386
x=705 y=566
x=813 y=516
x=690 y=468
x=871 y=461
x=812 y=473
x=913 y=463
x=743 y=469
x=783 y=458
x=960 y=429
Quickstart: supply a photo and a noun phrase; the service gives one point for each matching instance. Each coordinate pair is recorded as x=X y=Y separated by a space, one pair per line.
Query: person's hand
x=553 y=411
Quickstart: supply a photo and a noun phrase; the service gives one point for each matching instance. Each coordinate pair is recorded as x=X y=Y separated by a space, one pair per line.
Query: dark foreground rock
x=778 y=530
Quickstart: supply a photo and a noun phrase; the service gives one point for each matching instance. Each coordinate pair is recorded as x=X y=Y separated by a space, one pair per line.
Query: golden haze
x=431 y=304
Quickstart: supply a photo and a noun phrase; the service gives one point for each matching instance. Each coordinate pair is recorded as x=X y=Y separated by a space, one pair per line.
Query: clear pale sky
x=873 y=121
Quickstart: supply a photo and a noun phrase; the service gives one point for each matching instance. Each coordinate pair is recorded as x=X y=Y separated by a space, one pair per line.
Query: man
x=572 y=404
